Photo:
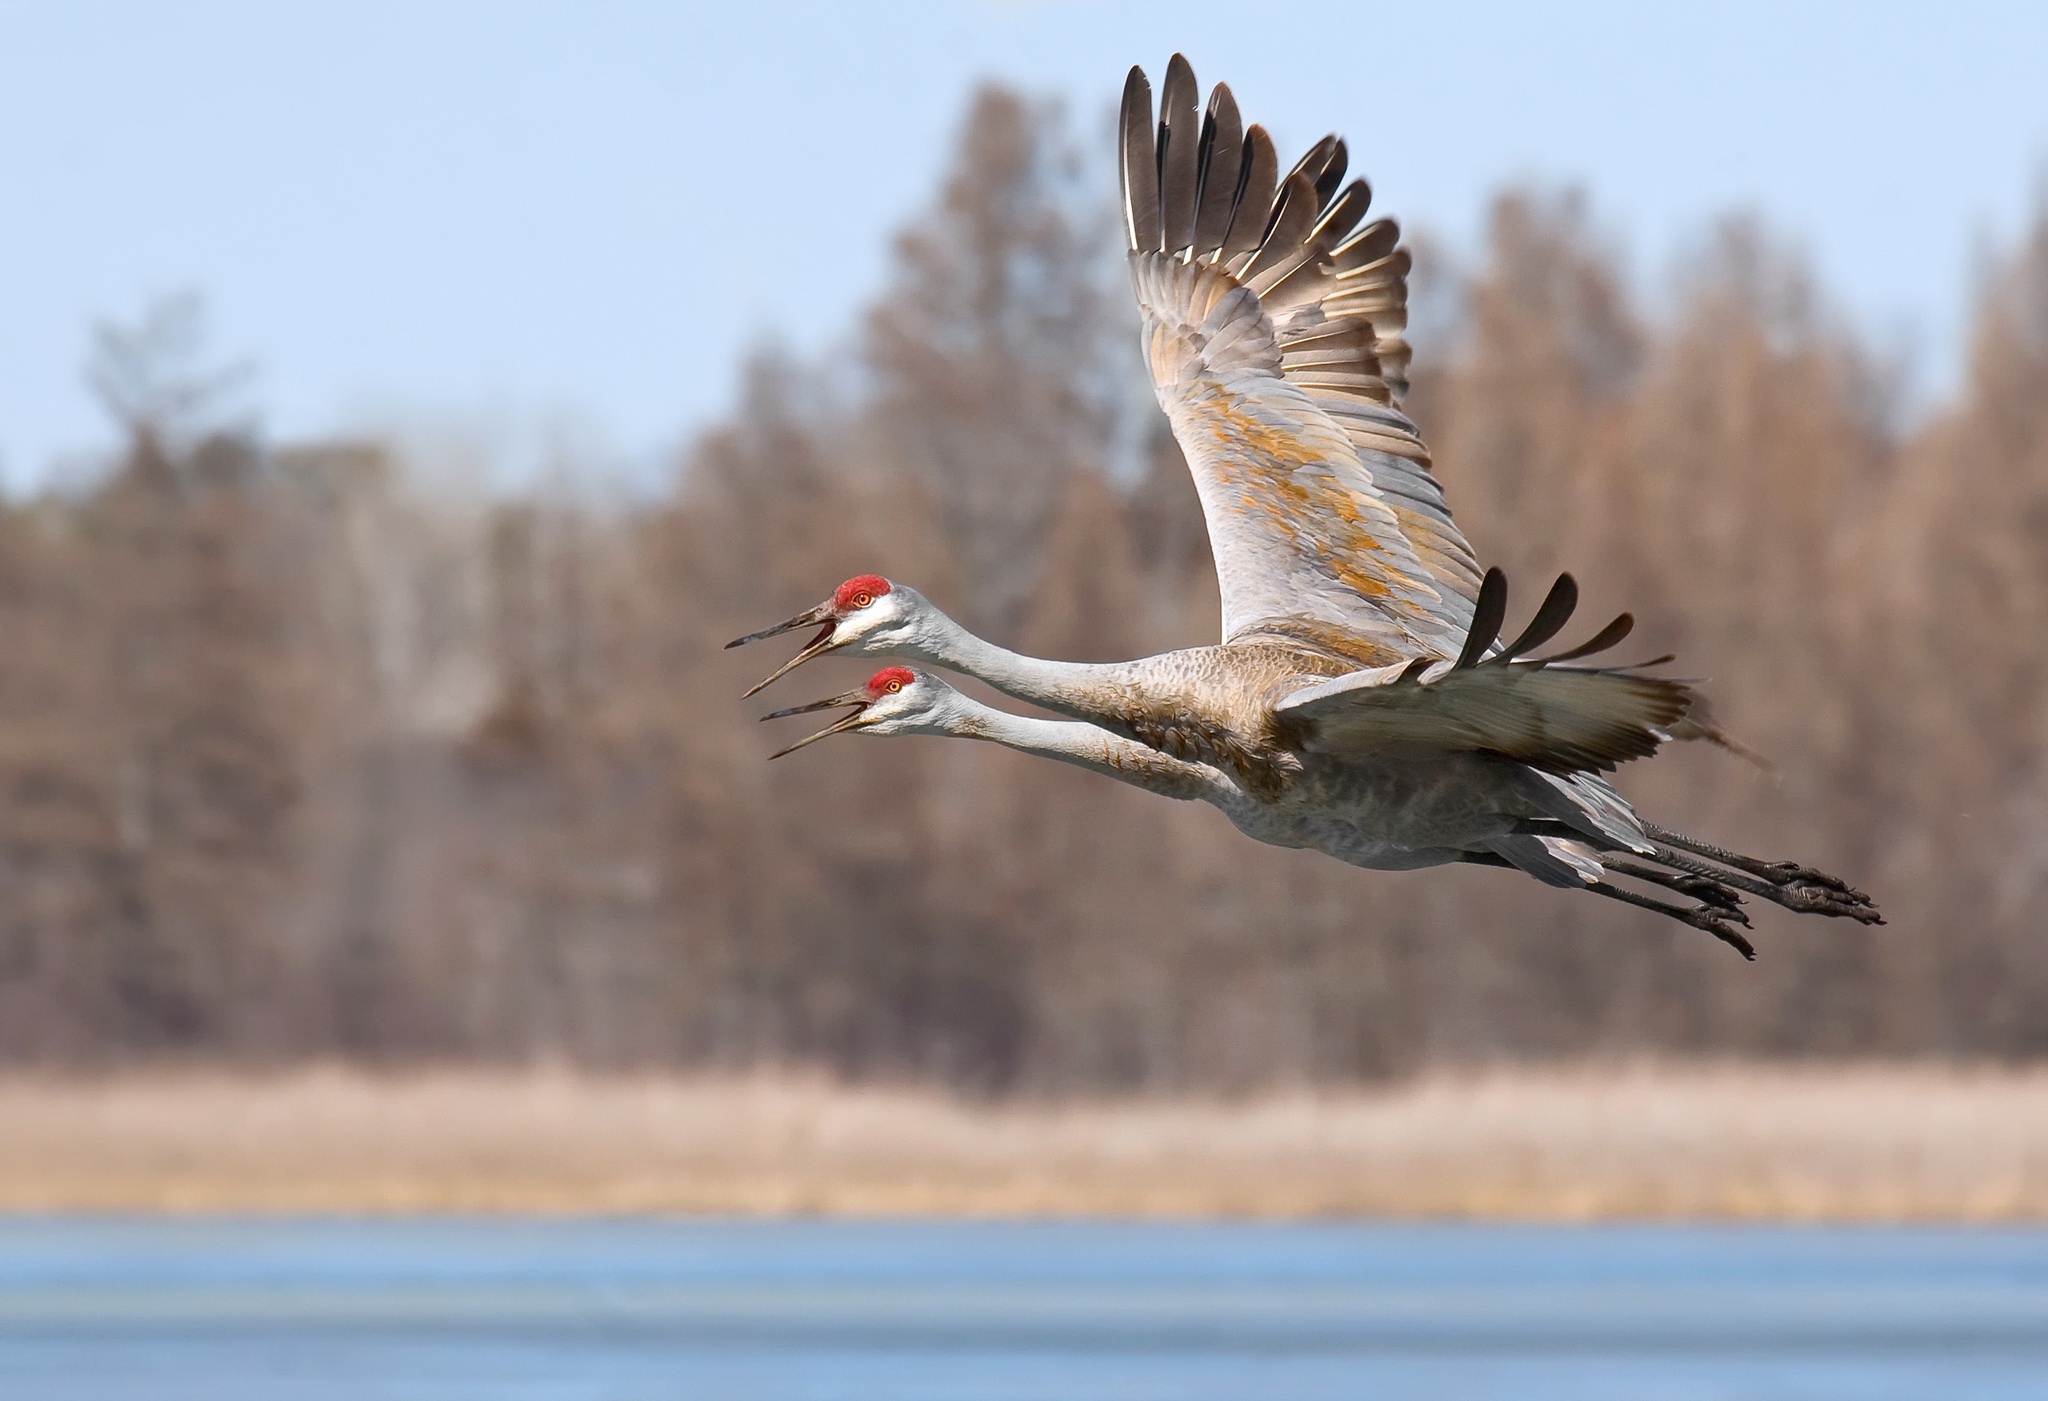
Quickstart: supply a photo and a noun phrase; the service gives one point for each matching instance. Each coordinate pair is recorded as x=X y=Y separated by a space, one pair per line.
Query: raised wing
x=1273 y=333
x=1558 y=718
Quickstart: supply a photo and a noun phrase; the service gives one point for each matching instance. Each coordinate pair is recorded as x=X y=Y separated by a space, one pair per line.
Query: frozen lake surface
x=548 y=1310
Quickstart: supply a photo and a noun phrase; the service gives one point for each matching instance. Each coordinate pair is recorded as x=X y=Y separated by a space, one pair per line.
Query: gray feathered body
x=1400 y=806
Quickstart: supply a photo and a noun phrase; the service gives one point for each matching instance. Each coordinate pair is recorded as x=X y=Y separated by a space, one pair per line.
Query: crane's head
x=867 y=615
x=896 y=700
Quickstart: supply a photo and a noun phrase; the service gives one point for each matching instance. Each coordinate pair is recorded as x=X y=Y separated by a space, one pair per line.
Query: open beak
x=818 y=645
x=857 y=699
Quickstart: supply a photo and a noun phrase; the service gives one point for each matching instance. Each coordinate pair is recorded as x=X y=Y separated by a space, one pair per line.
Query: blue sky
x=582 y=214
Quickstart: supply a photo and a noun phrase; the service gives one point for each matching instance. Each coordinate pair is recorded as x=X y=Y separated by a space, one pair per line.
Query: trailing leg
x=1786 y=883
x=1702 y=886
x=1713 y=920
x=1798 y=896
x=1776 y=872
x=1713 y=917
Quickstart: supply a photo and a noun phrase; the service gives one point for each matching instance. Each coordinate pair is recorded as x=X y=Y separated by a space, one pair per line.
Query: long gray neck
x=1071 y=688
x=1089 y=747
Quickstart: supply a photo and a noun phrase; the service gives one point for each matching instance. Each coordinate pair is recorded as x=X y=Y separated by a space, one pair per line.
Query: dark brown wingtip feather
x=1221 y=161
x=1489 y=611
x=1322 y=165
x=1293 y=217
x=1375 y=241
x=1179 y=145
x=1257 y=180
x=1607 y=637
x=1344 y=211
x=1138 y=164
x=1332 y=177
x=1551 y=616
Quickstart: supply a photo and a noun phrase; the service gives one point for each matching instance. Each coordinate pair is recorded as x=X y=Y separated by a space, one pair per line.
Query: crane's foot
x=1701 y=917
x=1836 y=901
x=1791 y=873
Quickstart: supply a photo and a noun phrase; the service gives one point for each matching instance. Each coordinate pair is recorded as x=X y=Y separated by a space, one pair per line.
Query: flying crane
x=1361 y=702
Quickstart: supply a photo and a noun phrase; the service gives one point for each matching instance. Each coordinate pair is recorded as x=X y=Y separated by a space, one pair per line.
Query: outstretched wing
x=1562 y=719
x=1273 y=333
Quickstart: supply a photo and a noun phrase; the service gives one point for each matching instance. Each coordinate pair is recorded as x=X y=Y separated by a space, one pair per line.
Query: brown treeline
x=303 y=754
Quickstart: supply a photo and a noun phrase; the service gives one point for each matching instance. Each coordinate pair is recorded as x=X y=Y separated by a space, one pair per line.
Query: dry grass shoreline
x=1821 y=1144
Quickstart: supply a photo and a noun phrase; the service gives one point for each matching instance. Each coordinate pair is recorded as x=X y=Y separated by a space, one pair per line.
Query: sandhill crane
x=900 y=700
x=1361 y=695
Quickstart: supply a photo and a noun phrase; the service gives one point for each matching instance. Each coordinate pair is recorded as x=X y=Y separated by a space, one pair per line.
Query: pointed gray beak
x=818 y=646
x=857 y=699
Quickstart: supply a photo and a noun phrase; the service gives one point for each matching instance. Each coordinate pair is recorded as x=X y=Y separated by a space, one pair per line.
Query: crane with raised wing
x=1361 y=697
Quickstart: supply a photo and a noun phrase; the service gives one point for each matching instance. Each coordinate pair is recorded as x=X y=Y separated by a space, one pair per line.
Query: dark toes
x=1792 y=873
x=1838 y=901
x=1707 y=919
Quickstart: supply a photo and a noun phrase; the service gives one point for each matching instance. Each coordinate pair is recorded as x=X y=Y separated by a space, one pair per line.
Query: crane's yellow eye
x=862 y=600
x=893 y=686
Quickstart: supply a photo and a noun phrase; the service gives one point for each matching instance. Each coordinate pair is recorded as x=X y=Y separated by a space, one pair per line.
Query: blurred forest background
x=305 y=754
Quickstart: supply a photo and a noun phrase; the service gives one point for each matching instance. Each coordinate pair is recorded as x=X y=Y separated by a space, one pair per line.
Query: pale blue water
x=827 y=1311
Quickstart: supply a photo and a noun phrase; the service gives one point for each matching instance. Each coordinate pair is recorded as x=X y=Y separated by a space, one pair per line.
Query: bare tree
x=296 y=758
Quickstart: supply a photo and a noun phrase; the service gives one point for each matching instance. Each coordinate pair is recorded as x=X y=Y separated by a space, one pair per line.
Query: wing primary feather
x=1344 y=211
x=1551 y=616
x=1488 y=614
x=1256 y=184
x=1332 y=178
x=1292 y=218
x=1370 y=244
x=1220 y=162
x=1179 y=142
x=1609 y=636
x=1139 y=165
x=1322 y=165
